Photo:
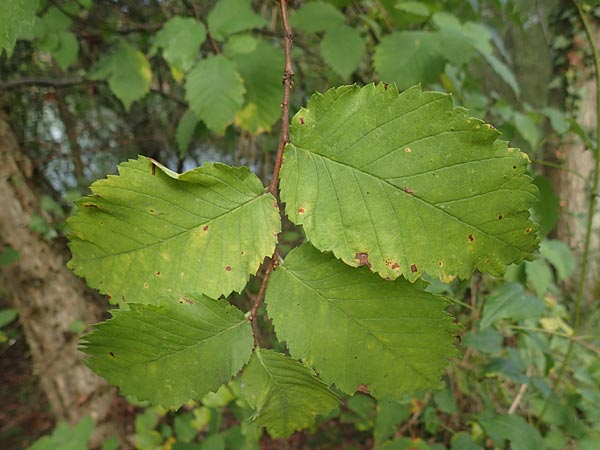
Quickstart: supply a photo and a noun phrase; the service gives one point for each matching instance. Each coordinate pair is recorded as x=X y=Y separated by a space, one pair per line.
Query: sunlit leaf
x=355 y=328
x=406 y=184
x=285 y=395
x=150 y=232
x=172 y=353
x=215 y=92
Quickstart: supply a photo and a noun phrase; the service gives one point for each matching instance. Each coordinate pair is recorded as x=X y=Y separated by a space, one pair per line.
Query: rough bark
x=48 y=298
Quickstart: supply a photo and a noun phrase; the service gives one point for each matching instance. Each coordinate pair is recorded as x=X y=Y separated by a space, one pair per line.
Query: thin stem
x=589 y=223
x=288 y=74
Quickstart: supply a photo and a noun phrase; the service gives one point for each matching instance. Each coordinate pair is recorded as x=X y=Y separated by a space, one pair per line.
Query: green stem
x=589 y=223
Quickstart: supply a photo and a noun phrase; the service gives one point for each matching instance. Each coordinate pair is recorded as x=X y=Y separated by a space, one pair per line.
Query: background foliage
x=89 y=85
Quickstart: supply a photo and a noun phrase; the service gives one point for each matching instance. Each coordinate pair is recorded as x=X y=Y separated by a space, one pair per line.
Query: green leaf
x=519 y=433
x=560 y=256
x=16 y=17
x=286 y=395
x=547 y=209
x=390 y=412
x=215 y=92
x=172 y=353
x=7 y=315
x=527 y=128
x=232 y=16
x=180 y=38
x=128 y=72
x=185 y=130
x=260 y=68
x=409 y=57
x=486 y=341
x=539 y=276
x=416 y=8
x=509 y=301
x=8 y=256
x=151 y=232
x=355 y=328
x=504 y=72
x=65 y=437
x=317 y=16
x=342 y=49
x=63 y=46
x=463 y=441
x=405 y=184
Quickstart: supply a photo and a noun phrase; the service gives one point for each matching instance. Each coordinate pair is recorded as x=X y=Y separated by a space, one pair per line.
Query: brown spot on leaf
x=528 y=230
x=440 y=264
x=157 y=273
x=413 y=268
x=112 y=354
x=395 y=266
x=363 y=259
x=500 y=217
x=407 y=150
x=186 y=300
x=364 y=389
x=228 y=268
x=385 y=86
x=145 y=285
x=409 y=190
x=300 y=210
x=301 y=120
x=90 y=205
x=153 y=168
x=205 y=228
x=471 y=238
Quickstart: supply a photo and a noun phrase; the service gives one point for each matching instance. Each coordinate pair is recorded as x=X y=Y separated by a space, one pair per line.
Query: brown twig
x=288 y=74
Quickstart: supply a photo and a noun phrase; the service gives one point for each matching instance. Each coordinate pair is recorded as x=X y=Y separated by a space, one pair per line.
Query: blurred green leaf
x=390 y=412
x=313 y=17
x=509 y=301
x=64 y=437
x=539 y=276
x=232 y=16
x=547 y=209
x=8 y=256
x=16 y=17
x=342 y=49
x=514 y=429
x=486 y=341
x=560 y=256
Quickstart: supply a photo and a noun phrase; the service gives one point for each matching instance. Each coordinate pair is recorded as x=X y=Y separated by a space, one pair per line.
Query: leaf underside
x=354 y=328
x=150 y=232
x=406 y=184
x=172 y=353
x=286 y=395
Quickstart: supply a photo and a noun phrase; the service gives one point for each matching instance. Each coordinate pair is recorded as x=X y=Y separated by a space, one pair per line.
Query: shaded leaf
x=185 y=130
x=286 y=395
x=260 y=68
x=316 y=16
x=512 y=428
x=65 y=437
x=509 y=301
x=405 y=184
x=547 y=209
x=539 y=276
x=342 y=49
x=232 y=16
x=127 y=71
x=355 y=328
x=151 y=232
x=215 y=92
x=172 y=353
x=180 y=39
x=421 y=48
x=560 y=256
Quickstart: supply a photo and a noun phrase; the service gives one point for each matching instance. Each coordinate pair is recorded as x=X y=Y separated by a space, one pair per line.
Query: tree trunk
x=48 y=298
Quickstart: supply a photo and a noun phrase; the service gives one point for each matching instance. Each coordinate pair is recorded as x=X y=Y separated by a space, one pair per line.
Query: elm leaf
x=406 y=184
x=172 y=353
x=355 y=328
x=285 y=394
x=151 y=232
